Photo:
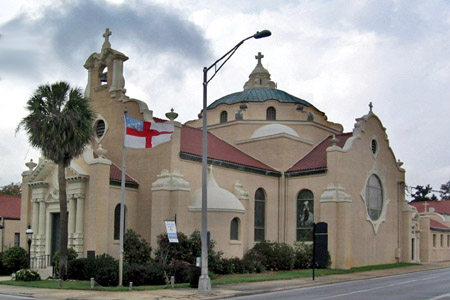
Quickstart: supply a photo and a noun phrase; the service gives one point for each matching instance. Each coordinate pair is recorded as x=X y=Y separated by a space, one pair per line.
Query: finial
x=259 y=57
x=100 y=151
x=334 y=140
x=370 y=107
x=106 y=43
x=171 y=115
x=31 y=165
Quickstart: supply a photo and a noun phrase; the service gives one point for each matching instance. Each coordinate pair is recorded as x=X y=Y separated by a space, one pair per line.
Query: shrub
x=3 y=270
x=138 y=274
x=106 y=270
x=148 y=274
x=303 y=255
x=14 y=259
x=71 y=255
x=136 y=249
x=272 y=255
x=181 y=270
x=81 y=268
x=26 y=275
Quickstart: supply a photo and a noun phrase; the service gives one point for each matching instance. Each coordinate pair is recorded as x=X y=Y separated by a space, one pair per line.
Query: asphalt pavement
x=218 y=292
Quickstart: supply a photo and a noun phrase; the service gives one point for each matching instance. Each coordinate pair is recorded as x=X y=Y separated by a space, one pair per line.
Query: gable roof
x=10 y=207
x=316 y=160
x=441 y=207
x=436 y=225
x=115 y=177
x=220 y=153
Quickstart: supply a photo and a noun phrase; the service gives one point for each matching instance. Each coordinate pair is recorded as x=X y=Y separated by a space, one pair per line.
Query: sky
x=337 y=55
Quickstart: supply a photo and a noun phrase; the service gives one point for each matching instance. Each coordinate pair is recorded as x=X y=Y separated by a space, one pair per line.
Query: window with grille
x=271 y=114
x=374 y=197
x=260 y=214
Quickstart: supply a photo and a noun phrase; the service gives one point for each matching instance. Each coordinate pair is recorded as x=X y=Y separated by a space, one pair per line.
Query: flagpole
x=122 y=201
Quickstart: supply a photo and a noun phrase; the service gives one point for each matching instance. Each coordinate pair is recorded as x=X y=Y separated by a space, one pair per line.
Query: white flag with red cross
x=142 y=134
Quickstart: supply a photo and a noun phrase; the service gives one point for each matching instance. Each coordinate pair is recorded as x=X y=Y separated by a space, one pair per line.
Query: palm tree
x=60 y=124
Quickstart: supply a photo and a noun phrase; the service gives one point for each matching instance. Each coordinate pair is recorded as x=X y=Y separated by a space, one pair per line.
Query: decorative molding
x=167 y=181
x=382 y=218
x=90 y=159
x=273 y=136
x=239 y=191
x=335 y=194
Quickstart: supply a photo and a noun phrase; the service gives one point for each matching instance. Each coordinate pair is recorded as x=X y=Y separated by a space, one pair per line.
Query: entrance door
x=56 y=234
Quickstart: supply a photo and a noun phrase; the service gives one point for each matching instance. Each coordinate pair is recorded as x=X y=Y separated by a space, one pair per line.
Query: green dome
x=258 y=95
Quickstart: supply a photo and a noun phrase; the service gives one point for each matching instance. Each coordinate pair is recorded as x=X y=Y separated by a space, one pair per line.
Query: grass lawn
x=221 y=279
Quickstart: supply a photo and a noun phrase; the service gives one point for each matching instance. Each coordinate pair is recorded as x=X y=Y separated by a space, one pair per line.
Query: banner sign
x=171 y=228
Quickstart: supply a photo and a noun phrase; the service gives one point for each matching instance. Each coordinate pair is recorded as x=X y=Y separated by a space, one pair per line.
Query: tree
x=422 y=192
x=60 y=124
x=445 y=191
x=12 y=189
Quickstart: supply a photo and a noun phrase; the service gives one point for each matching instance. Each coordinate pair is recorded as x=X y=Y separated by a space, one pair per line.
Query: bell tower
x=105 y=70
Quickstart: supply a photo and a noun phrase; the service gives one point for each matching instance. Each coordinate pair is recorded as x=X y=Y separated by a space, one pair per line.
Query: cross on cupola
x=259 y=57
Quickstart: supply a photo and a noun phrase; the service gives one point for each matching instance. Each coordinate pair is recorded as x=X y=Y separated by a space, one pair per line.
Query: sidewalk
x=218 y=292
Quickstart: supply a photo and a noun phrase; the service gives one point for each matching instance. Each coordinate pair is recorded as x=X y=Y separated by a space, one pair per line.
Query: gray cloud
x=71 y=30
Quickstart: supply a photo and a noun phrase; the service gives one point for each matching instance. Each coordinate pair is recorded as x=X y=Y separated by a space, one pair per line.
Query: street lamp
x=204 y=284
x=29 y=233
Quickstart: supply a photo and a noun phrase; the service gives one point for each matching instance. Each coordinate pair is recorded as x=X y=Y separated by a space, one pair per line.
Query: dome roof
x=219 y=199
x=258 y=95
x=273 y=129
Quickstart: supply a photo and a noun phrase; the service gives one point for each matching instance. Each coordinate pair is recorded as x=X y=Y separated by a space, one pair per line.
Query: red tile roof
x=191 y=143
x=10 y=206
x=437 y=225
x=317 y=158
x=115 y=175
x=441 y=207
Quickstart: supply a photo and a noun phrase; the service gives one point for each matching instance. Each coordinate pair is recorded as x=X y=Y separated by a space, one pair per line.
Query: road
x=425 y=285
x=12 y=297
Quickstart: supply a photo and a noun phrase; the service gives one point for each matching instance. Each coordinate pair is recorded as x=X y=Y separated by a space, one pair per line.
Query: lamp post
x=204 y=284
x=29 y=233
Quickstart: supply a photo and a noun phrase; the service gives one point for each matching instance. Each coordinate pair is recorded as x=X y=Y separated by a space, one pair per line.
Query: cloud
x=68 y=31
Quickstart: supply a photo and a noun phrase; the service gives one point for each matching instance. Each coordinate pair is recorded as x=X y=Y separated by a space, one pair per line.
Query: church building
x=276 y=166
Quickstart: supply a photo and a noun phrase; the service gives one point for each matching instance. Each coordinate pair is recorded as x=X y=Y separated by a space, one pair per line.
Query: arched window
x=117 y=221
x=223 y=117
x=305 y=215
x=271 y=114
x=374 y=197
x=234 y=229
x=260 y=214
x=103 y=75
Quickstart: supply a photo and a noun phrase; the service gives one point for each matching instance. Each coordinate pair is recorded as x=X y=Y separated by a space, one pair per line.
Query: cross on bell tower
x=106 y=43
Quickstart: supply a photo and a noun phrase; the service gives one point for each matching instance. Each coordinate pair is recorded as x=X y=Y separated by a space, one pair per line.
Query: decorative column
x=40 y=243
x=77 y=191
x=39 y=192
x=71 y=224
x=35 y=224
x=79 y=226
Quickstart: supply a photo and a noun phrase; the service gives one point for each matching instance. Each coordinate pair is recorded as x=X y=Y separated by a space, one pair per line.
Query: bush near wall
x=274 y=256
x=14 y=259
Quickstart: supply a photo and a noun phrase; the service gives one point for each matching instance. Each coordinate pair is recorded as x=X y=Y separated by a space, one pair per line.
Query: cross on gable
x=425 y=204
x=259 y=57
x=370 y=106
x=147 y=132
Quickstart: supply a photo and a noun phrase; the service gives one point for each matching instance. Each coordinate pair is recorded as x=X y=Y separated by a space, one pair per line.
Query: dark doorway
x=55 y=244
